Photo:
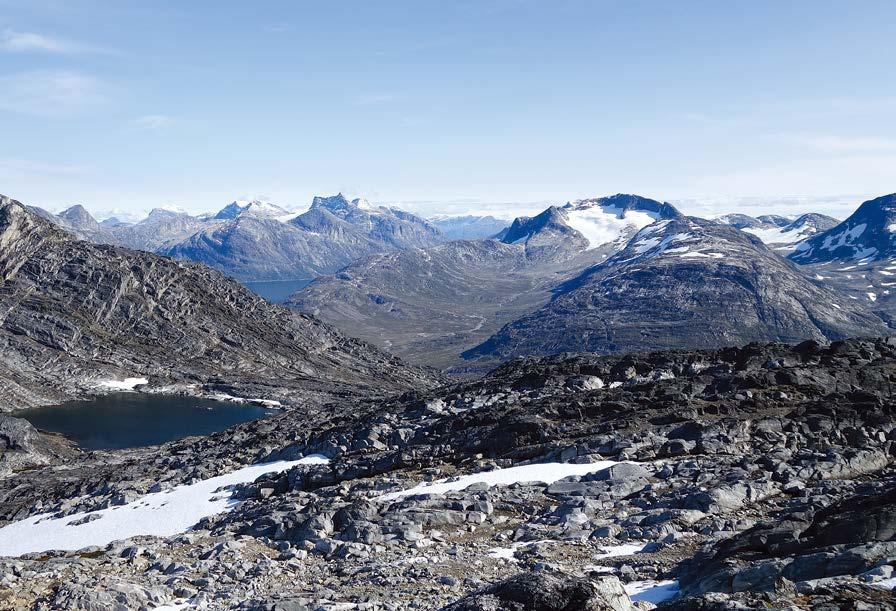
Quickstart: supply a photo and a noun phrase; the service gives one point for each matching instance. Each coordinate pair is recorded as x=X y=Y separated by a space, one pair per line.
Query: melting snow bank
x=651 y=591
x=547 y=473
x=125 y=384
x=160 y=514
x=225 y=397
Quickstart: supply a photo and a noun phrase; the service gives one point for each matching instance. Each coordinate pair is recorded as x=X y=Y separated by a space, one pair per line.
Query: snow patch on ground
x=160 y=514
x=508 y=553
x=886 y=584
x=225 y=397
x=125 y=384
x=547 y=473
x=651 y=591
x=626 y=549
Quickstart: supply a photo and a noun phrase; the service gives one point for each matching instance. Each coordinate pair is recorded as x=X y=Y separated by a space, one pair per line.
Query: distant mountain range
x=555 y=281
x=589 y=284
x=433 y=303
x=780 y=232
x=253 y=240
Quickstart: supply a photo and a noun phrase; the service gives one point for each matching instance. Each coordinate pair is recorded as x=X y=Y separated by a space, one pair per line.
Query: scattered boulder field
x=738 y=478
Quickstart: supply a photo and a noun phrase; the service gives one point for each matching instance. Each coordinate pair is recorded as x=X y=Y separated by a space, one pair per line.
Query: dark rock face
x=867 y=234
x=541 y=592
x=22 y=447
x=683 y=283
x=849 y=537
x=76 y=314
x=545 y=234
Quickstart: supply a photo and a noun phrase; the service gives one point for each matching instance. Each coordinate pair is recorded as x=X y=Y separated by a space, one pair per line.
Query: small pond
x=128 y=420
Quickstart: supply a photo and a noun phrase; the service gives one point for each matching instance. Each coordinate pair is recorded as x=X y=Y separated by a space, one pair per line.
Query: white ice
x=160 y=514
x=604 y=224
x=126 y=384
x=547 y=473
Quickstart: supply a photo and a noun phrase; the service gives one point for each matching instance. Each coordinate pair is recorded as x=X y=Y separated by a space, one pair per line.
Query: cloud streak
x=843 y=144
x=153 y=121
x=50 y=93
x=31 y=42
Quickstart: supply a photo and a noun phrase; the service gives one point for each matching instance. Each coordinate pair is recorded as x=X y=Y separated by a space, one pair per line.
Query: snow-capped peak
x=601 y=223
x=253 y=207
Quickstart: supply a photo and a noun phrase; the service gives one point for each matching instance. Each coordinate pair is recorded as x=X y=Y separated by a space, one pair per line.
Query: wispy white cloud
x=50 y=93
x=278 y=28
x=27 y=167
x=23 y=42
x=370 y=99
x=840 y=144
x=154 y=121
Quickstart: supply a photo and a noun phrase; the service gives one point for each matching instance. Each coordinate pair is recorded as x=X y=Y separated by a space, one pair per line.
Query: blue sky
x=448 y=106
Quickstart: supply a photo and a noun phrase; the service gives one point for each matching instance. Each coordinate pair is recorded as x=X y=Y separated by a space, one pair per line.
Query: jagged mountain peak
x=868 y=234
x=335 y=203
x=77 y=214
x=253 y=207
x=163 y=213
x=621 y=203
x=550 y=222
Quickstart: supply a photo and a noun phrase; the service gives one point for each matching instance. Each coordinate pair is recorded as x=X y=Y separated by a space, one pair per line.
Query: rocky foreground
x=759 y=477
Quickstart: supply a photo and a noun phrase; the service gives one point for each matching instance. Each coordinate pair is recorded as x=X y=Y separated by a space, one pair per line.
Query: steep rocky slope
x=684 y=283
x=857 y=257
x=77 y=315
x=755 y=477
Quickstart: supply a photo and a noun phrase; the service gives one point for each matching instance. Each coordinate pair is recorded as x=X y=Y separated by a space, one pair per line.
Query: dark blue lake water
x=276 y=291
x=128 y=420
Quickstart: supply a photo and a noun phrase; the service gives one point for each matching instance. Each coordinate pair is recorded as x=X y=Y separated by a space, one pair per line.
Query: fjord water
x=277 y=291
x=128 y=420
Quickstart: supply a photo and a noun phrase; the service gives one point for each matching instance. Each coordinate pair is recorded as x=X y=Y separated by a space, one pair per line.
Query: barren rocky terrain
x=735 y=478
